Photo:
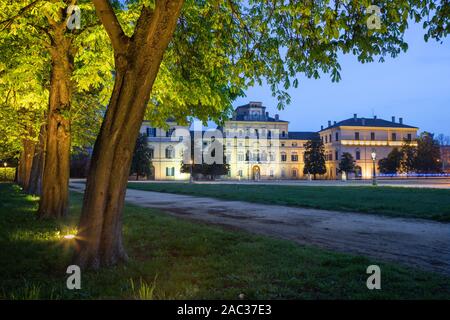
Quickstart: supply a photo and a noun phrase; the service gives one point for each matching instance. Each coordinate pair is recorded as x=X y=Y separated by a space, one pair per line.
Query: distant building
x=445 y=158
x=258 y=146
x=360 y=137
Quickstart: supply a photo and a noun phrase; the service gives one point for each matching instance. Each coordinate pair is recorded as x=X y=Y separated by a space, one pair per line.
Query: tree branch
x=109 y=20
x=8 y=22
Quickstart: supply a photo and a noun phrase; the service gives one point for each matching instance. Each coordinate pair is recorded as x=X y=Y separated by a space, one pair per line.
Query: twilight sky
x=415 y=86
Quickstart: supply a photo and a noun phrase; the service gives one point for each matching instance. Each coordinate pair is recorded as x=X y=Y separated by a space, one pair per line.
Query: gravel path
x=417 y=243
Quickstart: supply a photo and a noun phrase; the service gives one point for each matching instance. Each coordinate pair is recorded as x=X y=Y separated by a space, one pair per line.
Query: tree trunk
x=55 y=182
x=25 y=163
x=37 y=169
x=137 y=63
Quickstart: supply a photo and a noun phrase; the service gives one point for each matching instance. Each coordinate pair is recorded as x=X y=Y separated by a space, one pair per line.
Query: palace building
x=258 y=146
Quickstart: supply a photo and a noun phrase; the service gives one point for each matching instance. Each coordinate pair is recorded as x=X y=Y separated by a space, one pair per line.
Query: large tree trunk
x=25 y=163
x=55 y=184
x=37 y=169
x=137 y=63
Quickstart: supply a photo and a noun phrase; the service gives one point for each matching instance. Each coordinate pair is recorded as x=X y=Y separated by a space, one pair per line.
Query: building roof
x=368 y=122
x=256 y=119
x=303 y=135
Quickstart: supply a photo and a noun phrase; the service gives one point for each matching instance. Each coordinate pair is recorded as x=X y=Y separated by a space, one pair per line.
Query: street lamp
x=5 y=165
x=374 y=173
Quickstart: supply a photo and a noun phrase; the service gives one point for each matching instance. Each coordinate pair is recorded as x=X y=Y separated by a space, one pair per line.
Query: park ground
x=172 y=258
x=422 y=203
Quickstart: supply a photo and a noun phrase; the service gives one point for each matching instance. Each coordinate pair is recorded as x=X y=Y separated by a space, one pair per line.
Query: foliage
x=27 y=37
x=347 y=163
x=314 y=158
x=205 y=169
x=142 y=157
x=428 y=154
x=392 y=163
x=221 y=47
x=7 y=174
x=144 y=291
x=408 y=163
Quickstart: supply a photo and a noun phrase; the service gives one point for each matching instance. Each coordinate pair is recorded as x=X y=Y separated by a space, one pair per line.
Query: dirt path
x=418 y=243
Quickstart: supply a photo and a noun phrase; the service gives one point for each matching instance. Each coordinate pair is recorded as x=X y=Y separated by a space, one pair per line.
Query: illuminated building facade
x=360 y=137
x=260 y=147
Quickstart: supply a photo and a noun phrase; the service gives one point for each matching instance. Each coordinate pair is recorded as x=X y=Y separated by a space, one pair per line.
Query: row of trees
x=158 y=58
x=423 y=158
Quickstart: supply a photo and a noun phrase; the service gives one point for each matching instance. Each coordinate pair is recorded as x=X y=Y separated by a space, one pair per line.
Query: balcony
x=376 y=143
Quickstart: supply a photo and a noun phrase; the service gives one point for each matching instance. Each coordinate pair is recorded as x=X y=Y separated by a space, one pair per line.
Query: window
x=409 y=136
x=326 y=139
x=272 y=156
x=294 y=157
x=358 y=155
x=169 y=153
x=372 y=136
x=151 y=132
x=240 y=173
x=336 y=155
x=356 y=135
x=337 y=136
x=282 y=144
x=240 y=157
x=169 y=133
x=394 y=136
x=283 y=134
x=283 y=173
x=330 y=138
x=264 y=156
x=247 y=156
x=283 y=157
x=269 y=134
x=294 y=173
x=170 y=171
x=294 y=144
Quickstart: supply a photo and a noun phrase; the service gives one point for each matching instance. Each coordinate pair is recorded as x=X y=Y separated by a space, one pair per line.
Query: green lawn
x=431 y=204
x=182 y=259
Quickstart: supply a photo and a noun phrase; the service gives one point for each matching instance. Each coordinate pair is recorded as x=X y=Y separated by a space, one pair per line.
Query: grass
x=433 y=204
x=172 y=258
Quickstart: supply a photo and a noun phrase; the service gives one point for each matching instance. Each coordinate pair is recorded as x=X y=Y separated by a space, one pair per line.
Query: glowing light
x=69 y=236
x=5 y=164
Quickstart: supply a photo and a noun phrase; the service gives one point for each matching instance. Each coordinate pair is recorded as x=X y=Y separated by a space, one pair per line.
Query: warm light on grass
x=69 y=236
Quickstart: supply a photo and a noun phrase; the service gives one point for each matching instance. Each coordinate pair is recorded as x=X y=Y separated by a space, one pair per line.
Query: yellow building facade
x=258 y=146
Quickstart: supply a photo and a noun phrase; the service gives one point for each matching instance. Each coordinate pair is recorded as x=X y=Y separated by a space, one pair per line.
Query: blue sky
x=415 y=86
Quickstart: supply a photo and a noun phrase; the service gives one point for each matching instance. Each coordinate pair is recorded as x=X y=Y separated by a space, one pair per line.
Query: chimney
x=277 y=117
x=267 y=114
x=363 y=121
x=321 y=128
x=335 y=123
x=375 y=117
x=400 y=120
x=329 y=123
x=393 y=119
x=355 y=116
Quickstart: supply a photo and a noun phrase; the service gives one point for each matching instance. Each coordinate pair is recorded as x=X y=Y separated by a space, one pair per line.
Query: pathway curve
x=414 y=242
